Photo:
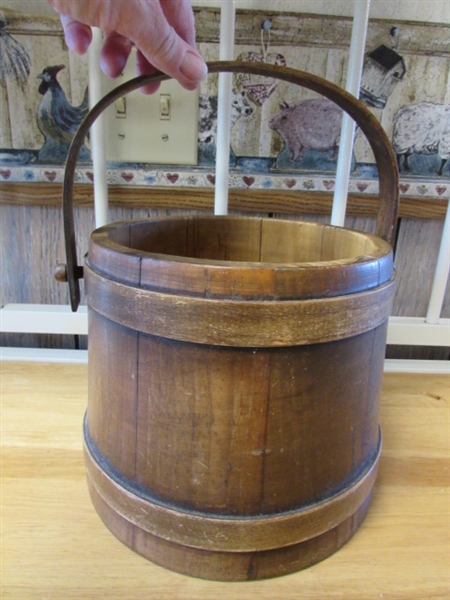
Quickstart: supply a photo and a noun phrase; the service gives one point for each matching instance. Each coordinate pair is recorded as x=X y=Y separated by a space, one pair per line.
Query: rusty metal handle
x=378 y=140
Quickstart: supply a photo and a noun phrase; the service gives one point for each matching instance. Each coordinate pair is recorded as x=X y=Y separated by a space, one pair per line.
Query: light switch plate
x=143 y=134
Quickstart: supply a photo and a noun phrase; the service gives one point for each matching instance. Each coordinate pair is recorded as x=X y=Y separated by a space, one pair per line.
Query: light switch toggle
x=121 y=108
x=164 y=107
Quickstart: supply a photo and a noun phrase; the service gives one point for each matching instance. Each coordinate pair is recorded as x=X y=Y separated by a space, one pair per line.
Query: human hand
x=163 y=32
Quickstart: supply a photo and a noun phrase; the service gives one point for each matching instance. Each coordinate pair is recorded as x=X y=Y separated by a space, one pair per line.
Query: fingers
x=179 y=14
x=78 y=35
x=162 y=30
x=189 y=74
x=114 y=55
x=163 y=47
x=143 y=67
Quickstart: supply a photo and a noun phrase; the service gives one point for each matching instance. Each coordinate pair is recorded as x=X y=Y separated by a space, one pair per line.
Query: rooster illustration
x=57 y=119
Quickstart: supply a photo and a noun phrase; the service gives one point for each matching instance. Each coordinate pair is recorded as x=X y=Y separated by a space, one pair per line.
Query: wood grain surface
x=54 y=546
x=252 y=200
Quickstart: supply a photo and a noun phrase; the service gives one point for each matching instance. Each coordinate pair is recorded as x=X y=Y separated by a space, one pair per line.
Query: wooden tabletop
x=54 y=546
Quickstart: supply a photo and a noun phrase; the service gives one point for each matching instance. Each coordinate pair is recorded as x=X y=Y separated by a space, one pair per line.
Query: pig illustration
x=314 y=124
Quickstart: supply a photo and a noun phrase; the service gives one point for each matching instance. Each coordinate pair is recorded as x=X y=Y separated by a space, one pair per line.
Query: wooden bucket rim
x=249 y=280
x=380 y=248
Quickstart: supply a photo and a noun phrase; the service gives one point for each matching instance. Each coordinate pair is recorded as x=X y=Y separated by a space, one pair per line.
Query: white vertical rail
x=354 y=72
x=97 y=132
x=226 y=50
x=441 y=274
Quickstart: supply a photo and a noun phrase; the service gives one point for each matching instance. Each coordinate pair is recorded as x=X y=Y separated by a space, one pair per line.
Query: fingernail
x=193 y=67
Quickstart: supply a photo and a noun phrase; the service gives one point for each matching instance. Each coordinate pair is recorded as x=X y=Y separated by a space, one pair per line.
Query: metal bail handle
x=375 y=134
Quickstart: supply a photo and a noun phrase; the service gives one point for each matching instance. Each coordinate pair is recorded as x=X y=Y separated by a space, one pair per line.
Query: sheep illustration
x=422 y=129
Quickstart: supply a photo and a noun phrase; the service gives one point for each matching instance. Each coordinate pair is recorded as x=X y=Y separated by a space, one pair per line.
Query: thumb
x=185 y=64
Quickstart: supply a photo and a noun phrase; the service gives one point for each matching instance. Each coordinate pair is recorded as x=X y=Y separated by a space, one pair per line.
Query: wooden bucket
x=235 y=367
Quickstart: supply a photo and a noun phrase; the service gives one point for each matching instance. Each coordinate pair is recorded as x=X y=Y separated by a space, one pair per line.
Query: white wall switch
x=164 y=106
x=158 y=129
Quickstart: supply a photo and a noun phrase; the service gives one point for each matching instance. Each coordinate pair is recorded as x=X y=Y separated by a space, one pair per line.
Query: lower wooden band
x=231 y=534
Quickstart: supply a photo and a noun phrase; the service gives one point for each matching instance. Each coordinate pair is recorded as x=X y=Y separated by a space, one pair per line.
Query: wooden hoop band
x=242 y=323
x=221 y=533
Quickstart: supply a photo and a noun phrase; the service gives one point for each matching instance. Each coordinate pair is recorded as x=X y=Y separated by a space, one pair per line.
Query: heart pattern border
x=204 y=178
